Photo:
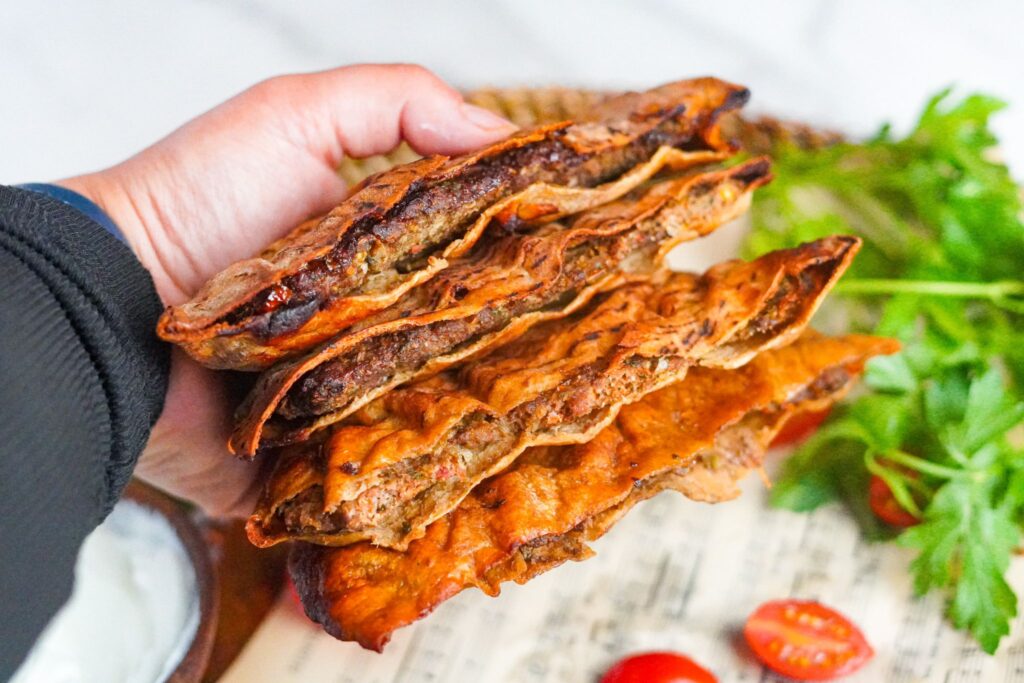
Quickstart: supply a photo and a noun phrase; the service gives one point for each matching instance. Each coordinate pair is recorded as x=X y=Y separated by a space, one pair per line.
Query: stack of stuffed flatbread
x=473 y=366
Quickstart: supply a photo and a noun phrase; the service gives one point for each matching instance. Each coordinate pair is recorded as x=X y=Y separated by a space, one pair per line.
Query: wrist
x=79 y=202
x=106 y=191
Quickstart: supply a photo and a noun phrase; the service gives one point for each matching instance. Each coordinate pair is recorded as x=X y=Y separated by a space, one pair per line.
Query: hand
x=233 y=180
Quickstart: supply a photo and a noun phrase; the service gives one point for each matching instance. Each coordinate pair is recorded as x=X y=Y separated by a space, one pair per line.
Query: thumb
x=266 y=160
x=369 y=109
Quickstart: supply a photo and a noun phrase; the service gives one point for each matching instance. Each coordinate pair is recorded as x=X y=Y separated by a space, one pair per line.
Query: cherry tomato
x=293 y=592
x=799 y=426
x=658 y=667
x=805 y=640
x=886 y=507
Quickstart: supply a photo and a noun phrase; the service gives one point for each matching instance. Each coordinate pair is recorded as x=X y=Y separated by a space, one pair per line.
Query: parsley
x=941 y=270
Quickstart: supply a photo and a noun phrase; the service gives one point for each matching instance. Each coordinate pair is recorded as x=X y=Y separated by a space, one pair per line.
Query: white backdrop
x=84 y=84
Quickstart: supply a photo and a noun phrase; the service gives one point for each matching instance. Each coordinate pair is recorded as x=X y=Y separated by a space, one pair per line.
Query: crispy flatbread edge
x=232 y=346
x=308 y=570
x=836 y=252
x=274 y=384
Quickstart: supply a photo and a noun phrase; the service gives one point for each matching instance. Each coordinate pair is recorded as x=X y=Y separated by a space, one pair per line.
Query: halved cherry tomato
x=886 y=507
x=658 y=667
x=799 y=426
x=805 y=640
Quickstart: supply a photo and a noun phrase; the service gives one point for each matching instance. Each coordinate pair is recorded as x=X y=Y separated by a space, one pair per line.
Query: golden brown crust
x=204 y=326
x=517 y=268
x=410 y=456
x=698 y=437
x=528 y=107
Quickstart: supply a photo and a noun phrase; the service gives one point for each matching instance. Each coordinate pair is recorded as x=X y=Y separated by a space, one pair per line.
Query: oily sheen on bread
x=404 y=225
x=698 y=437
x=409 y=457
x=490 y=298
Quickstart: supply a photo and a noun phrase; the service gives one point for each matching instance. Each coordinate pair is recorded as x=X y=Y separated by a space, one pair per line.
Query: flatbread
x=698 y=437
x=406 y=224
x=490 y=298
x=409 y=457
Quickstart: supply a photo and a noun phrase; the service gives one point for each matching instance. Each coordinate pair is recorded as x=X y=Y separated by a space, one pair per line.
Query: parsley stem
x=952 y=288
x=896 y=483
x=921 y=465
x=1003 y=293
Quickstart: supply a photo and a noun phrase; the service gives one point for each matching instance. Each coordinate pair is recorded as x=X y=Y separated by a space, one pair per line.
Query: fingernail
x=486 y=120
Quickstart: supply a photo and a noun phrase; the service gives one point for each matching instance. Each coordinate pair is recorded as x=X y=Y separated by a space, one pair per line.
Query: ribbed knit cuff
x=77 y=201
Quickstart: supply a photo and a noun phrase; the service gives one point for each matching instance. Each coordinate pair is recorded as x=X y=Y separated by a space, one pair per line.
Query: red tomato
x=799 y=426
x=805 y=640
x=293 y=592
x=658 y=667
x=886 y=507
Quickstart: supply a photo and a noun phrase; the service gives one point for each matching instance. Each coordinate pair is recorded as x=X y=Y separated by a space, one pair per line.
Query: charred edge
x=753 y=173
x=307 y=567
x=335 y=383
x=267 y=324
x=736 y=99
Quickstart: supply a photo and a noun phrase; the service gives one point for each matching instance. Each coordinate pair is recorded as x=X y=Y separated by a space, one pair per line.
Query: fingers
x=368 y=109
x=187 y=454
x=239 y=176
x=234 y=179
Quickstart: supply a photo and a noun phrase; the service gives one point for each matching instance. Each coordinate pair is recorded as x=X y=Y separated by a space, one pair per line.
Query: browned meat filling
x=407 y=487
x=413 y=486
x=587 y=393
x=787 y=301
x=373 y=363
x=736 y=449
x=828 y=383
x=432 y=216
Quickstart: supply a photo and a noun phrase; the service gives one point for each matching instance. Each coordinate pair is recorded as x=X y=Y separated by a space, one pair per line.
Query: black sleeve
x=82 y=380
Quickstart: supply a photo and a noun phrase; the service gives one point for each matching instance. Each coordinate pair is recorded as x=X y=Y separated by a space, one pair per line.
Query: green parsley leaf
x=965 y=543
x=940 y=270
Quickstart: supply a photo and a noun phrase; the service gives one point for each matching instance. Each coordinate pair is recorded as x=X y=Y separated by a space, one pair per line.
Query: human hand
x=231 y=181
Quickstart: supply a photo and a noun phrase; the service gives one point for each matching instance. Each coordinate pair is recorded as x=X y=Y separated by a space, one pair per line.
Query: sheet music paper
x=673 y=574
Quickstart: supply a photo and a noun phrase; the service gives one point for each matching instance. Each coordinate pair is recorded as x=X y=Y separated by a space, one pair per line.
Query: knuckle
x=409 y=70
x=271 y=88
x=415 y=75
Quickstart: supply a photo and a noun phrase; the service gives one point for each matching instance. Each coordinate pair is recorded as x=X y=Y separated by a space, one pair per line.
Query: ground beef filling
x=432 y=216
x=828 y=383
x=336 y=383
x=736 y=444
x=413 y=487
x=373 y=363
x=785 y=305
x=408 y=488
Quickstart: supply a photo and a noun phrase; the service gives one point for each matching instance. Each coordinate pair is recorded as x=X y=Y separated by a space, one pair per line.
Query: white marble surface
x=86 y=83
